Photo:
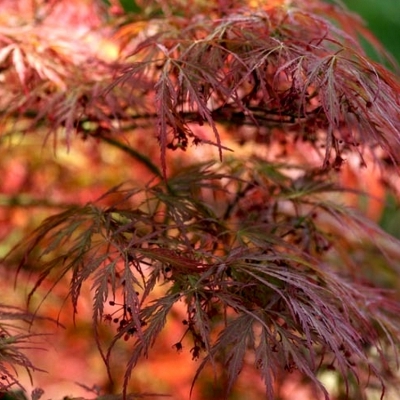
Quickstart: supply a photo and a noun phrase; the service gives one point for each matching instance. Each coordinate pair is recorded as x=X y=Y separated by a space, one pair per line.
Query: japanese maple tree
x=235 y=208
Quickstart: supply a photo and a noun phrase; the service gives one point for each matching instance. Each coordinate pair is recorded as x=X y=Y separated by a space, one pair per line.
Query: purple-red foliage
x=270 y=268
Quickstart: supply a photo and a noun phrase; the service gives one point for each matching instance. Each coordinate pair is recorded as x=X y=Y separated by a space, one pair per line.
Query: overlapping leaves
x=254 y=275
x=281 y=67
x=297 y=67
x=15 y=339
x=255 y=251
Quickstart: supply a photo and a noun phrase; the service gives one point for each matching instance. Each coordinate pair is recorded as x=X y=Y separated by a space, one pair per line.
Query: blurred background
x=383 y=18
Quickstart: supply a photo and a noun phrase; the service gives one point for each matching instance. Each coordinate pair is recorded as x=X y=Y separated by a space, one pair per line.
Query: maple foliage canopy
x=239 y=128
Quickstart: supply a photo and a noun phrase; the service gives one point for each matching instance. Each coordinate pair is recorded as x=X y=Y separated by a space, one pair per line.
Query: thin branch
x=133 y=153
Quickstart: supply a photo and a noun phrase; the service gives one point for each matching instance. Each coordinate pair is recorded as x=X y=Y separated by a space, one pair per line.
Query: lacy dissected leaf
x=256 y=256
x=15 y=339
x=290 y=67
x=298 y=68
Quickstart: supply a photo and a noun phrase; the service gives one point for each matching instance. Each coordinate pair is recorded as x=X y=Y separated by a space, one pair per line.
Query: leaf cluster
x=262 y=261
x=15 y=339
x=253 y=275
x=297 y=68
x=287 y=67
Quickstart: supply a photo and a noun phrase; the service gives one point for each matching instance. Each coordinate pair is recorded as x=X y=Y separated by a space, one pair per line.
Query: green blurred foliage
x=130 y=6
x=383 y=18
x=390 y=220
